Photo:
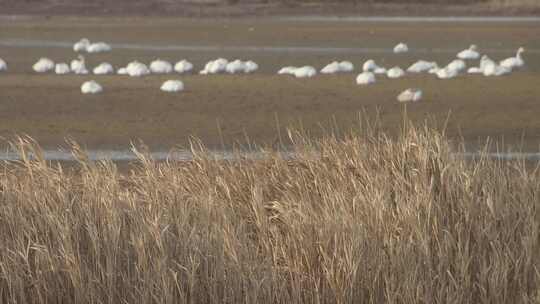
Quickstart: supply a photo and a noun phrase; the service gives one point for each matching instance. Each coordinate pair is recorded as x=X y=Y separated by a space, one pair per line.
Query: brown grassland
x=365 y=219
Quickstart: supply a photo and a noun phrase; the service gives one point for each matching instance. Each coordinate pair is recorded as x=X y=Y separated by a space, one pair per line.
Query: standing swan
x=514 y=62
x=78 y=66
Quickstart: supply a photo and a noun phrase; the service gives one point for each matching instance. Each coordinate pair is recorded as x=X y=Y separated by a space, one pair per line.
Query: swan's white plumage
x=514 y=62
x=457 y=65
x=365 y=78
x=62 y=68
x=183 y=66
x=137 y=69
x=446 y=73
x=91 y=87
x=161 y=67
x=3 y=65
x=395 y=72
x=288 y=70
x=401 y=48
x=172 y=86
x=250 y=66
x=410 y=95
x=305 y=72
x=421 y=66
x=78 y=66
x=43 y=65
x=338 y=67
x=215 y=66
x=98 y=47
x=104 y=69
x=122 y=71
x=81 y=45
x=469 y=54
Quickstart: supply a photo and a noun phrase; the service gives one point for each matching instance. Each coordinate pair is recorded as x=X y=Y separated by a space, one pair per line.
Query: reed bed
x=361 y=219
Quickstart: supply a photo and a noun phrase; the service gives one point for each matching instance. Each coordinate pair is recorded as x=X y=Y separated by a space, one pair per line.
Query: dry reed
x=365 y=219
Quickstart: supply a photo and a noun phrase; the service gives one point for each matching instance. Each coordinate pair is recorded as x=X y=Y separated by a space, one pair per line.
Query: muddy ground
x=224 y=109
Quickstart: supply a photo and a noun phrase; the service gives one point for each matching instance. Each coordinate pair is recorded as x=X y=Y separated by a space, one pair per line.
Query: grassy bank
x=365 y=219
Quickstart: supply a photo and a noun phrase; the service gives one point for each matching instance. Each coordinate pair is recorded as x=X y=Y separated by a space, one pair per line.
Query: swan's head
x=521 y=50
x=473 y=47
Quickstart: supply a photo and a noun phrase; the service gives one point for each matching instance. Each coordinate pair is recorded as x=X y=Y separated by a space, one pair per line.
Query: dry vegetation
x=366 y=219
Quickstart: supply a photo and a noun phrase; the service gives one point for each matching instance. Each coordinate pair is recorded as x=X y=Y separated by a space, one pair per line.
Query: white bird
x=288 y=70
x=137 y=69
x=3 y=65
x=98 y=47
x=457 y=64
x=62 y=68
x=236 y=66
x=183 y=66
x=470 y=53
x=43 y=65
x=331 y=68
x=401 y=48
x=446 y=73
x=104 y=69
x=369 y=65
x=421 y=66
x=365 y=78
x=122 y=71
x=493 y=69
x=338 y=67
x=215 y=66
x=474 y=70
x=395 y=72
x=410 y=95
x=172 y=86
x=78 y=66
x=82 y=45
x=161 y=67
x=514 y=62
x=250 y=67
x=485 y=61
x=91 y=87
x=305 y=72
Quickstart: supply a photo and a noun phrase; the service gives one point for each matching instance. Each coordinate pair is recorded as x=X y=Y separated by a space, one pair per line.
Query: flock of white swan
x=370 y=69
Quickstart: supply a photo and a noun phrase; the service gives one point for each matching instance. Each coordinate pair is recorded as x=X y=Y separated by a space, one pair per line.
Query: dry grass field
x=225 y=108
x=364 y=219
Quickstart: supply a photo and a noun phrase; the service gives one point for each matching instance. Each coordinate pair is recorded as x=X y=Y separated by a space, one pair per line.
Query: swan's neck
x=518 y=55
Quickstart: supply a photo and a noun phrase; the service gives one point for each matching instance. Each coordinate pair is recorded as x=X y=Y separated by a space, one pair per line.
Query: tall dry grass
x=367 y=219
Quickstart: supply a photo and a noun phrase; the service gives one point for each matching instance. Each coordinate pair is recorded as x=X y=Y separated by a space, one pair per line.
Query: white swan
x=369 y=65
x=98 y=47
x=446 y=73
x=410 y=95
x=82 y=45
x=250 y=66
x=331 y=68
x=236 y=66
x=493 y=69
x=62 y=68
x=91 y=87
x=514 y=62
x=183 y=66
x=401 y=48
x=122 y=71
x=161 y=67
x=395 y=72
x=288 y=70
x=104 y=69
x=3 y=65
x=215 y=66
x=421 y=66
x=470 y=53
x=305 y=72
x=474 y=70
x=457 y=64
x=365 y=78
x=172 y=86
x=338 y=67
x=78 y=66
x=137 y=69
x=43 y=65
